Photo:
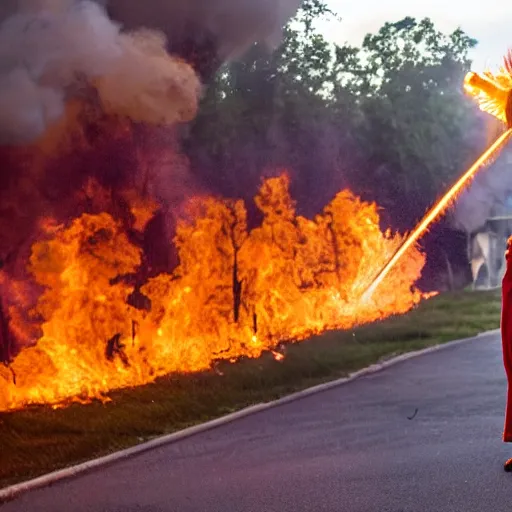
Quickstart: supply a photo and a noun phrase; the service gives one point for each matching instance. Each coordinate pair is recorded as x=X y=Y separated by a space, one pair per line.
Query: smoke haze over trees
x=389 y=120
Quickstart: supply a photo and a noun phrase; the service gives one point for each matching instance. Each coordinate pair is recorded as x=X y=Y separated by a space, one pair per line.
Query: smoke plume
x=91 y=93
x=50 y=50
x=212 y=30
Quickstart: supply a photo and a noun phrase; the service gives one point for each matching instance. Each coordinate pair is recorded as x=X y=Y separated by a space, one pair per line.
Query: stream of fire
x=493 y=95
x=234 y=293
x=441 y=206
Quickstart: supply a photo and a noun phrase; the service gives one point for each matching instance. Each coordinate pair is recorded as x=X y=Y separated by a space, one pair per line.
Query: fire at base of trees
x=235 y=293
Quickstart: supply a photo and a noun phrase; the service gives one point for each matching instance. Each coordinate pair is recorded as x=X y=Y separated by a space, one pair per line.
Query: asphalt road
x=349 y=449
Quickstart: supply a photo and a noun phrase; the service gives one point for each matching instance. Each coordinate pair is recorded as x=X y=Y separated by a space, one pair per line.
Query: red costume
x=506 y=338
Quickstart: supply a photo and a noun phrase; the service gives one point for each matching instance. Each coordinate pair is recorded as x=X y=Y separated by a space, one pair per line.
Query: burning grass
x=40 y=439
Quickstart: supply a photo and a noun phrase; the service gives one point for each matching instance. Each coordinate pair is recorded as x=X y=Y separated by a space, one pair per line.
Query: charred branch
x=115 y=348
x=236 y=244
x=5 y=336
x=335 y=248
x=135 y=326
x=237 y=291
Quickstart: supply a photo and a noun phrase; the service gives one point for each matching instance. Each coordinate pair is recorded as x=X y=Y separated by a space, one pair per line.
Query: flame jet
x=493 y=92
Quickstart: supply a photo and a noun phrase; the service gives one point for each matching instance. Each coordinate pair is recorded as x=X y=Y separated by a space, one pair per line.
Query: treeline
x=389 y=120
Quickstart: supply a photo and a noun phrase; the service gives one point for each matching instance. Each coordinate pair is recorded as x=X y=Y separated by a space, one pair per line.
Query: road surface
x=349 y=449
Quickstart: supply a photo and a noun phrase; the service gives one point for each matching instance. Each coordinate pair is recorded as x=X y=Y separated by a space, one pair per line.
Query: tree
x=419 y=126
x=389 y=120
x=270 y=111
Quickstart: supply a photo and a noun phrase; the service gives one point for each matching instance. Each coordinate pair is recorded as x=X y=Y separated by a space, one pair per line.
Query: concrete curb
x=10 y=493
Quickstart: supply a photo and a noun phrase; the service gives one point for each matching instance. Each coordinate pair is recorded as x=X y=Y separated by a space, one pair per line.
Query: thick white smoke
x=51 y=50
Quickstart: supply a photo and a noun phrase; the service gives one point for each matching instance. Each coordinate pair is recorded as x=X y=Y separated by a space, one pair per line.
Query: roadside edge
x=11 y=492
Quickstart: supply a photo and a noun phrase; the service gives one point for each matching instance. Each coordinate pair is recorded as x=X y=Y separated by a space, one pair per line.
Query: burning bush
x=94 y=295
x=235 y=293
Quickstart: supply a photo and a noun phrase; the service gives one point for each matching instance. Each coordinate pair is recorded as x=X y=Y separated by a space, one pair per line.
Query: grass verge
x=38 y=440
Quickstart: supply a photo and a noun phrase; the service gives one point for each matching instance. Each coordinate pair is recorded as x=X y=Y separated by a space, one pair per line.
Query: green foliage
x=417 y=116
x=388 y=119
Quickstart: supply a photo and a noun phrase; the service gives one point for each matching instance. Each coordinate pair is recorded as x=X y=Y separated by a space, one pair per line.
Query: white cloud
x=491 y=26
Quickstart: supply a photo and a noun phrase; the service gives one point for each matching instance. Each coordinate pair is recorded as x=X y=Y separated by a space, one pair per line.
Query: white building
x=487 y=251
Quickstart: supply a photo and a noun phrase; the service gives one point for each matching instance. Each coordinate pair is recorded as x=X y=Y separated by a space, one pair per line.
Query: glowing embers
x=234 y=293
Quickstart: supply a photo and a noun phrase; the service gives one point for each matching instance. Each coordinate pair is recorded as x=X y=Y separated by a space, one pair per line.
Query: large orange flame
x=234 y=293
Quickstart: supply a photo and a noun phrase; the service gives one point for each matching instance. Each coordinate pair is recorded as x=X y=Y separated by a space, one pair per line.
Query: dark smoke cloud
x=220 y=28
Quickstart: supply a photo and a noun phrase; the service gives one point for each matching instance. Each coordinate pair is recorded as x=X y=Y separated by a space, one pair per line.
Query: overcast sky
x=491 y=24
